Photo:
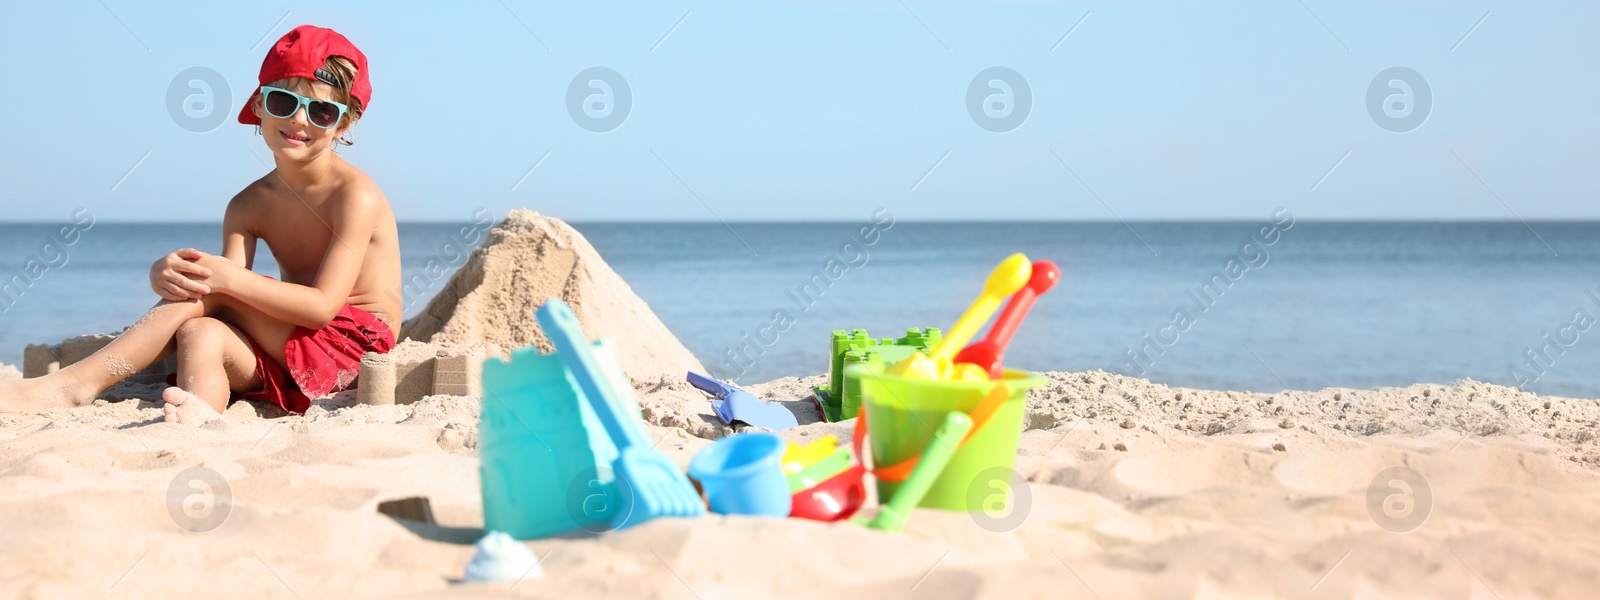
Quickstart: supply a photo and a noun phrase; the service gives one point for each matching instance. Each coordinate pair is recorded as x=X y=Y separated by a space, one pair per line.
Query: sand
x=527 y=259
x=1135 y=489
x=1124 y=488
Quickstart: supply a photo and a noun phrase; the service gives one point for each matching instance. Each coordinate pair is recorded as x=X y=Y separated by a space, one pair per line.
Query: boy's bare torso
x=298 y=226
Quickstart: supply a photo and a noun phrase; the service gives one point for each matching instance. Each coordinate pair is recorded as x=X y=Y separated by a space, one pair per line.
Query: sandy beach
x=1126 y=488
x=1130 y=494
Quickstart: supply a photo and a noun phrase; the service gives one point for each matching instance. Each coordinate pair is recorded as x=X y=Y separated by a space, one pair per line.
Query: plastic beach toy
x=649 y=485
x=834 y=499
x=840 y=398
x=967 y=372
x=501 y=558
x=733 y=404
x=991 y=350
x=892 y=517
x=824 y=484
x=797 y=457
x=897 y=418
x=742 y=475
x=537 y=433
x=1008 y=277
x=819 y=471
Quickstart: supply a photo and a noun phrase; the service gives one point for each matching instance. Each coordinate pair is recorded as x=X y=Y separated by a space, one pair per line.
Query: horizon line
x=1359 y=220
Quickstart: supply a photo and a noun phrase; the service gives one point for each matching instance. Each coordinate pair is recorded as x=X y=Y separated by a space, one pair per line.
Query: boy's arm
x=310 y=307
x=174 y=278
x=238 y=242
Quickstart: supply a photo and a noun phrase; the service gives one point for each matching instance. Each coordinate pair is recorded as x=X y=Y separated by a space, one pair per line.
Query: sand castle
x=414 y=370
x=485 y=310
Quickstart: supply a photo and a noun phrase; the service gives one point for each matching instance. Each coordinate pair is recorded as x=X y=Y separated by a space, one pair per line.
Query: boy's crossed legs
x=214 y=359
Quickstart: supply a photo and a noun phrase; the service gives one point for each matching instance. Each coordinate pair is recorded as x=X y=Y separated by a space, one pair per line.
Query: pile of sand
x=9 y=372
x=528 y=259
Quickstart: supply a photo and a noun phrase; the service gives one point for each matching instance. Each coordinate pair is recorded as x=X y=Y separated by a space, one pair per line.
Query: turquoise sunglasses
x=282 y=103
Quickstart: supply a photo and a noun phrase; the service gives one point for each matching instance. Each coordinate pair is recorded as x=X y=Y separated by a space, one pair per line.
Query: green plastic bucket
x=903 y=412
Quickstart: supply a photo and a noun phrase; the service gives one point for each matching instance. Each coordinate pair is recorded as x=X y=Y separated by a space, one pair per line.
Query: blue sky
x=823 y=110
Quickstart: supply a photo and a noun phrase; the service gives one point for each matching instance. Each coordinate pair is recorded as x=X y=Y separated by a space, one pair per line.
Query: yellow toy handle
x=1011 y=275
x=1005 y=280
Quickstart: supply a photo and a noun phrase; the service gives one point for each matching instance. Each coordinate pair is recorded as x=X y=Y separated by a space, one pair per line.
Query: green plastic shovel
x=892 y=517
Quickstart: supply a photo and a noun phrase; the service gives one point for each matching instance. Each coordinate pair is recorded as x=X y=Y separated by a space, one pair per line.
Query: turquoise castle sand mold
x=539 y=435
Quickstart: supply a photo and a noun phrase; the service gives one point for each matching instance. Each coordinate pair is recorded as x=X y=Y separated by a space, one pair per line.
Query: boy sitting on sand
x=326 y=223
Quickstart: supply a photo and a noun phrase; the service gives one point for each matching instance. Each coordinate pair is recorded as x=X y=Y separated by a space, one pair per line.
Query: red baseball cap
x=301 y=53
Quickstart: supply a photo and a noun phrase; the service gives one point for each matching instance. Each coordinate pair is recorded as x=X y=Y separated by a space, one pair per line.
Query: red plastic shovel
x=988 y=352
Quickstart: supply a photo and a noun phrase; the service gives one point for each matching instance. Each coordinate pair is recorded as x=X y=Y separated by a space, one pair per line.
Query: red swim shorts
x=320 y=362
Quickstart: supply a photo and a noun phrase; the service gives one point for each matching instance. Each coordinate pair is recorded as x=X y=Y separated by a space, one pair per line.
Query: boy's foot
x=185 y=408
x=56 y=390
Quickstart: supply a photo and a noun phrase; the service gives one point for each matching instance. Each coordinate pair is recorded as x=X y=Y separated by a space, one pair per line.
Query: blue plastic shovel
x=650 y=484
x=734 y=404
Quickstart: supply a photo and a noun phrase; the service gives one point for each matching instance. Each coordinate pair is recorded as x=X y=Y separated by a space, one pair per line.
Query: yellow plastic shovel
x=1005 y=280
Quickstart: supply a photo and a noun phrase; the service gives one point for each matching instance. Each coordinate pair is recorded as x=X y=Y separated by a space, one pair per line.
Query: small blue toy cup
x=742 y=474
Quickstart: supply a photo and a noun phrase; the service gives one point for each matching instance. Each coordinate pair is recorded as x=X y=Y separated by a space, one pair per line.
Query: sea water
x=1201 y=304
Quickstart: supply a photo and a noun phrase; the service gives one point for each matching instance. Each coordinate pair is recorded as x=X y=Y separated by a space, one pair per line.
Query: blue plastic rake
x=649 y=484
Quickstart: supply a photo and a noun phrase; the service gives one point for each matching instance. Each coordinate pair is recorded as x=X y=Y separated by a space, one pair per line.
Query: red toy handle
x=1045 y=275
